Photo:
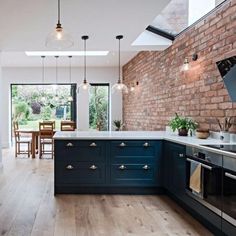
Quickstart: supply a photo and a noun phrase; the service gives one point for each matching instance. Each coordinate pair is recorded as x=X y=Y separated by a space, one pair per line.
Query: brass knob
x=122 y=167
x=93 y=167
x=69 y=167
x=122 y=144
x=146 y=144
x=93 y=145
x=145 y=167
x=69 y=145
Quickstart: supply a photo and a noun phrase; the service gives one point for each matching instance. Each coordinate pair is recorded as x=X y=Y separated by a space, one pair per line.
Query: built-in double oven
x=229 y=190
x=211 y=180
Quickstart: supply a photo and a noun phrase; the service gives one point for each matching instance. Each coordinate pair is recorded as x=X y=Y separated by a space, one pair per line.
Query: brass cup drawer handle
x=122 y=167
x=93 y=145
x=146 y=167
x=69 y=144
x=122 y=145
x=146 y=144
x=93 y=167
x=69 y=167
x=181 y=155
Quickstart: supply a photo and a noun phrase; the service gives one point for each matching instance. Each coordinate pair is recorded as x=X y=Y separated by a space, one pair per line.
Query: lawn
x=35 y=125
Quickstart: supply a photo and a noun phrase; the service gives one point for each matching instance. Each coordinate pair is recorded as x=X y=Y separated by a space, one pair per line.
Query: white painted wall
x=34 y=75
x=1 y=106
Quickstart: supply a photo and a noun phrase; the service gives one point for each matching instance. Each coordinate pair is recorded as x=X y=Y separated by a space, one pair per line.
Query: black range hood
x=227 y=68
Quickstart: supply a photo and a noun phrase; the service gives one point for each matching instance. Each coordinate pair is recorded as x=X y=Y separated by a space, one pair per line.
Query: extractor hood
x=227 y=68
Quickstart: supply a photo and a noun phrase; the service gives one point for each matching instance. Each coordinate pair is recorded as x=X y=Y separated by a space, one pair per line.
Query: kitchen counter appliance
x=217 y=179
x=209 y=178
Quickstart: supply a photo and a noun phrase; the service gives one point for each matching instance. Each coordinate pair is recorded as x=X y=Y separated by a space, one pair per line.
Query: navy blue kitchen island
x=133 y=163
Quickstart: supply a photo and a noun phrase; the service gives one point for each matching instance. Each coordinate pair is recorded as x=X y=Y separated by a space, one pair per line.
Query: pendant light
x=119 y=86
x=59 y=38
x=70 y=98
x=85 y=85
x=56 y=86
x=43 y=98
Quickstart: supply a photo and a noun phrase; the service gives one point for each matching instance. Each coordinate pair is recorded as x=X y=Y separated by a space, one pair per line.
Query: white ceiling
x=24 y=25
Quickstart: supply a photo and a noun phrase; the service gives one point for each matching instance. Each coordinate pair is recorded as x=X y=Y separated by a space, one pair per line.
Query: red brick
x=198 y=93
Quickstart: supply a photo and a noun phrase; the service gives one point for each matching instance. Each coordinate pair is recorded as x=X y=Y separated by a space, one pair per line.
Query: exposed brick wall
x=198 y=93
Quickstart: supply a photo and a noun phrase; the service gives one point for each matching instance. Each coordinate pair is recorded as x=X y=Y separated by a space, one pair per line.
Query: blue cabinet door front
x=80 y=173
x=133 y=174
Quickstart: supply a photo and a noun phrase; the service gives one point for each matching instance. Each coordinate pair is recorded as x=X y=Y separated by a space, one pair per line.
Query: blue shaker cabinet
x=85 y=166
x=174 y=171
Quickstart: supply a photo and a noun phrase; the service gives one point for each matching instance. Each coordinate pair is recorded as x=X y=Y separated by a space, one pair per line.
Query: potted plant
x=182 y=124
x=118 y=125
x=224 y=129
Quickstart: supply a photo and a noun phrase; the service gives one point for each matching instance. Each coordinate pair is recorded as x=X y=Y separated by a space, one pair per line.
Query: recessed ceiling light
x=66 y=53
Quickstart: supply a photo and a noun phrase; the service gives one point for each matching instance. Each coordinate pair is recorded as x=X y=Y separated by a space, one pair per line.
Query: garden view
x=34 y=103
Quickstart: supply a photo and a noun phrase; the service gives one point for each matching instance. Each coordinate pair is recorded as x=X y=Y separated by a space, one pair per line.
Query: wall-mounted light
x=134 y=86
x=186 y=65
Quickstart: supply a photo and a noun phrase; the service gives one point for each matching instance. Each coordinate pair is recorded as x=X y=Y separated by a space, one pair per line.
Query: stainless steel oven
x=229 y=189
x=204 y=177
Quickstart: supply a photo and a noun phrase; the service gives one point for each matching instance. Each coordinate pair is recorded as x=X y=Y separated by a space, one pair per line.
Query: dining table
x=35 y=138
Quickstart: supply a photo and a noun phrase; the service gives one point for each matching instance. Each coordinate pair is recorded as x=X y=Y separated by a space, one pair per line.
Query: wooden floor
x=28 y=207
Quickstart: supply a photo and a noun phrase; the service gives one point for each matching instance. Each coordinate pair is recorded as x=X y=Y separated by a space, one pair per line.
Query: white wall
x=1 y=106
x=34 y=75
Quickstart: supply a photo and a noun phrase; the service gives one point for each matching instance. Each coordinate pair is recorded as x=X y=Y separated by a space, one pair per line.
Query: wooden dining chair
x=53 y=122
x=46 y=144
x=21 y=141
x=68 y=125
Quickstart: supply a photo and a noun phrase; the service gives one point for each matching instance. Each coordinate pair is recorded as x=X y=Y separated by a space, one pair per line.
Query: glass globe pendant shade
x=119 y=87
x=85 y=86
x=43 y=98
x=70 y=99
x=56 y=98
x=59 y=39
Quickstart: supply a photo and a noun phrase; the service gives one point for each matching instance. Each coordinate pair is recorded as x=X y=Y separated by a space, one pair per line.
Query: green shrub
x=21 y=111
x=46 y=113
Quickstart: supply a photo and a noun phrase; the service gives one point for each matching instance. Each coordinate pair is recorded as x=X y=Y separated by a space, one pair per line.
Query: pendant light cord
x=43 y=69
x=70 y=69
x=56 y=69
x=85 y=61
x=59 y=12
x=119 y=62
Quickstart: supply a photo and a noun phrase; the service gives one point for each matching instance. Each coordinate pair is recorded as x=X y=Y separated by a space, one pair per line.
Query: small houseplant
x=182 y=124
x=118 y=125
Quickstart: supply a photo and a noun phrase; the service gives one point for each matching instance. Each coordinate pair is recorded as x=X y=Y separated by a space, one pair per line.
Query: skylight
x=66 y=53
x=180 y=14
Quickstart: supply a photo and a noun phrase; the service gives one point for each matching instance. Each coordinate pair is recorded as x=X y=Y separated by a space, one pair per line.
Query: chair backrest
x=53 y=122
x=46 y=130
x=15 y=129
x=68 y=125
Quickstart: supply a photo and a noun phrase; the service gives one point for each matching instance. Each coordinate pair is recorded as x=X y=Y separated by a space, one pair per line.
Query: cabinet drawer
x=82 y=151
x=133 y=174
x=134 y=151
x=80 y=173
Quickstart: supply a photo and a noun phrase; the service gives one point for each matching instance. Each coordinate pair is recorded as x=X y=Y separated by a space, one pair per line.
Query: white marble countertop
x=142 y=135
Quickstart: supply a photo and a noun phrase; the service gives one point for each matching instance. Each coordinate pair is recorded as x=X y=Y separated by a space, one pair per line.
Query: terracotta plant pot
x=183 y=132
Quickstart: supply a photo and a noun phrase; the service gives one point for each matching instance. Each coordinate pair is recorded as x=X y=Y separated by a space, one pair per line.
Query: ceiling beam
x=160 y=32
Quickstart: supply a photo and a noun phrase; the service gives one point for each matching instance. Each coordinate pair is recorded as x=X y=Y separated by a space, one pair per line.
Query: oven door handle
x=227 y=174
x=203 y=165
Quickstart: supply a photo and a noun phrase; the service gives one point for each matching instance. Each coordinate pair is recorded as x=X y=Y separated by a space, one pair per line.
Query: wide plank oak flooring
x=28 y=207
